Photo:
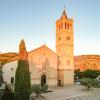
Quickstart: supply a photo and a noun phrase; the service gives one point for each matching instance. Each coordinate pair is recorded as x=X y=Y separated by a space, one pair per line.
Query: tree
x=87 y=73
x=7 y=94
x=86 y=82
x=95 y=83
x=79 y=74
x=38 y=89
x=90 y=73
x=1 y=76
x=22 y=77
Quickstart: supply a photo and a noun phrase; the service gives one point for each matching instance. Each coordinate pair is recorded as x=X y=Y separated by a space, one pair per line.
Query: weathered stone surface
x=85 y=62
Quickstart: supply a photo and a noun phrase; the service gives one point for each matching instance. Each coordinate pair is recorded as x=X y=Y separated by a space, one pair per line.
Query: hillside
x=8 y=57
x=85 y=62
x=82 y=62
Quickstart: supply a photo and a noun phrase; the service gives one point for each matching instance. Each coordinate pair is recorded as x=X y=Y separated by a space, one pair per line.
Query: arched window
x=61 y=25
x=65 y=25
x=68 y=26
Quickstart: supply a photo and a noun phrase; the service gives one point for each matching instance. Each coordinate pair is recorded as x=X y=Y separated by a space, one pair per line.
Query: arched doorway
x=43 y=80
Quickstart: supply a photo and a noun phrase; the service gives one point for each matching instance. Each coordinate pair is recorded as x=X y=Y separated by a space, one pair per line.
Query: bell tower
x=65 y=50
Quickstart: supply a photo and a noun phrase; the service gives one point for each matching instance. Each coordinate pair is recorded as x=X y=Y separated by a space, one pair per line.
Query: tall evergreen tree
x=1 y=76
x=22 y=77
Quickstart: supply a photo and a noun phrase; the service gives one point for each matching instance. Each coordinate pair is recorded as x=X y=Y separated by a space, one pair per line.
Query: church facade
x=43 y=66
x=47 y=66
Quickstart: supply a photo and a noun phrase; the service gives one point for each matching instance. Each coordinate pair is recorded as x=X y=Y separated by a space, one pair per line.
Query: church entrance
x=43 y=80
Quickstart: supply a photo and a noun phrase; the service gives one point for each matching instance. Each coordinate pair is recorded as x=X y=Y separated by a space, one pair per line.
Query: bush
x=44 y=88
x=8 y=95
x=86 y=82
x=79 y=74
x=10 y=87
x=90 y=73
x=38 y=89
x=95 y=83
x=87 y=73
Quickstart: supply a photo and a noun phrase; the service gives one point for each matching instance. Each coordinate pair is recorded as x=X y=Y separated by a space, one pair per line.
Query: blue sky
x=34 y=21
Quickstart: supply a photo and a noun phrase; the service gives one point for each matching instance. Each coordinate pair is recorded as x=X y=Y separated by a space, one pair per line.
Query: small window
x=68 y=38
x=12 y=79
x=12 y=69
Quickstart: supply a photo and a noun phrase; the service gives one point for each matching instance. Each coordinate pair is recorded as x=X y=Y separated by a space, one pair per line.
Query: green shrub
x=44 y=88
x=86 y=82
x=79 y=74
x=87 y=73
x=10 y=87
x=95 y=83
x=8 y=95
x=36 y=88
x=90 y=73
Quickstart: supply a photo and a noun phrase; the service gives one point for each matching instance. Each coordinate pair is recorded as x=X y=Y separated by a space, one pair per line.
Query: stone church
x=47 y=66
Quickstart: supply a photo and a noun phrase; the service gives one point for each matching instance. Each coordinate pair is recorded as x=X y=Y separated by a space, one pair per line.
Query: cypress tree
x=1 y=76
x=22 y=77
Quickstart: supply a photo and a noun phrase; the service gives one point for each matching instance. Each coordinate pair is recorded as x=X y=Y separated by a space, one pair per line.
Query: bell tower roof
x=64 y=15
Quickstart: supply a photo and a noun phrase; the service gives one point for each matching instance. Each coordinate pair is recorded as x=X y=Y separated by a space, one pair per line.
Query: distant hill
x=85 y=62
x=82 y=62
x=8 y=57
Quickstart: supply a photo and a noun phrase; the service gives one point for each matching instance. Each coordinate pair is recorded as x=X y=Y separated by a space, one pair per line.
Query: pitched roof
x=42 y=47
x=64 y=15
